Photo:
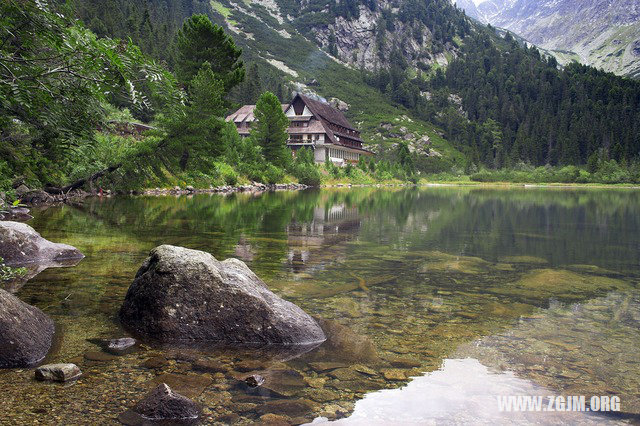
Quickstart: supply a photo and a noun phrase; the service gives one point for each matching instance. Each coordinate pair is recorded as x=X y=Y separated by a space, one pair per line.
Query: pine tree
x=270 y=130
x=201 y=41
x=194 y=131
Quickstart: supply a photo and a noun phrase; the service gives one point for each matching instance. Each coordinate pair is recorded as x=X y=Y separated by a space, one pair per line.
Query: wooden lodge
x=315 y=125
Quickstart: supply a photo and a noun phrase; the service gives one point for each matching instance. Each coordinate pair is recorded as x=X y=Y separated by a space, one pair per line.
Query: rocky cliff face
x=364 y=42
x=602 y=33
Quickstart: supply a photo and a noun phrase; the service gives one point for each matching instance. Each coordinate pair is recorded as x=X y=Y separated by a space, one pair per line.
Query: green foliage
x=405 y=158
x=609 y=172
x=55 y=77
x=201 y=41
x=226 y=172
x=260 y=77
x=55 y=74
x=270 y=130
x=545 y=115
x=273 y=174
x=8 y=273
x=193 y=131
x=5 y=177
x=304 y=168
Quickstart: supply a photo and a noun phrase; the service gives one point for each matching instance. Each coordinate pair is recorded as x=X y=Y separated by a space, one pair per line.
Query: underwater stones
x=188 y=385
x=20 y=245
x=344 y=345
x=155 y=362
x=443 y=262
x=394 y=374
x=289 y=407
x=205 y=300
x=345 y=374
x=26 y=332
x=120 y=346
x=523 y=259
x=279 y=383
x=98 y=356
x=591 y=269
x=405 y=363
x=250 y=365
x=364 y=370
x=545 y=283
x=326 y=366
x=209 y=366
x=315 y=382
x=58 y=372
x=254 y=380
x=275 y=420
x=323 y=395
x=162 y=405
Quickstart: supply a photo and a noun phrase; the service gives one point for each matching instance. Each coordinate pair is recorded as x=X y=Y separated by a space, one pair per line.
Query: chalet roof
x=245 y=114
x=326 y=111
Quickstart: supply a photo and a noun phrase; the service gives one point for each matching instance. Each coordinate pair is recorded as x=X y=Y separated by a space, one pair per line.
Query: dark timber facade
x=315 y=125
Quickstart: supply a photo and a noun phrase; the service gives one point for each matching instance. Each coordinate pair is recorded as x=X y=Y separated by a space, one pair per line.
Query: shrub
x=307 y=174
x=273 y=174
x=567 y=174
x=226 y=172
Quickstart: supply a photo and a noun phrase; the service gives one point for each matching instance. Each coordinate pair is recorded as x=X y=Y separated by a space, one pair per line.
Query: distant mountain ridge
x=602 y=33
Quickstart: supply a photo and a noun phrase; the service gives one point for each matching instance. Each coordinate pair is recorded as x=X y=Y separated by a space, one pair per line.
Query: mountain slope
x=602 y=33
x=469 y=8
x=490 y=102
x=287 y=38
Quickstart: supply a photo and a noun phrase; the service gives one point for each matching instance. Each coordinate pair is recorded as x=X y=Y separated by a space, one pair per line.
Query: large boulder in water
x=187 y=295
x=26 y=332
x=21 y=245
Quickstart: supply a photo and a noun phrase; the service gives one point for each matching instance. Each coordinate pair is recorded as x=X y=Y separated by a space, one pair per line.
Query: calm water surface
x=436 y=301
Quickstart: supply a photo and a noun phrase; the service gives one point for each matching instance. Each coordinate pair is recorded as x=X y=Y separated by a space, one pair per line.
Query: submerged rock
x=343 y=345
x=187 y=295
x=120 y=346
x=26 y=332
x=21 y=245
x=98 y=356
x=58 y=372
x=546 y=283
x=186 y=384
x=254 y=380
x=162 y=405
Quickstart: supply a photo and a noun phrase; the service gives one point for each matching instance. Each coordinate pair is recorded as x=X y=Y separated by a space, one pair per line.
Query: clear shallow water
x=538 y=285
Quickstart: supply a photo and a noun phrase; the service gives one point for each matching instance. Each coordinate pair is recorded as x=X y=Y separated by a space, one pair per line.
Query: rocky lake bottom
x=434 y=301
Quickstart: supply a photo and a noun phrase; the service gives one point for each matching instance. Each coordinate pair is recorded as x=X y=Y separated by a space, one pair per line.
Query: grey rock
x=21 y=245
x=120 y=346
x=338 y=104
x=18 y=214
x=162 y=405
x=183 y=295
x=254 y=380
x=26 y=335
x=21 y=190
x=58 y=372
x=37 y=197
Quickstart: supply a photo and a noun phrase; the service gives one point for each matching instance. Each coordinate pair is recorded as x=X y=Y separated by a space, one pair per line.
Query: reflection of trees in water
x=276 y=228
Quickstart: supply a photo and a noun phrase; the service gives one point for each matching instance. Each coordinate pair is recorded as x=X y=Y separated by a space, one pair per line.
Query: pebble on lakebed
x=58 y=372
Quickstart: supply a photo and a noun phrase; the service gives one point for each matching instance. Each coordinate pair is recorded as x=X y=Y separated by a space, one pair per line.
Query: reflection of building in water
x=244 y=251
x=330 y=226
